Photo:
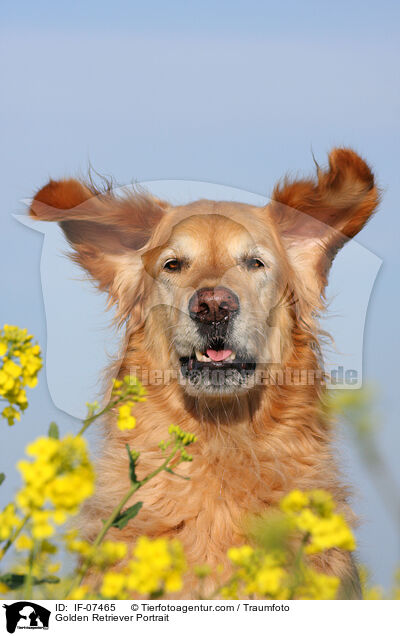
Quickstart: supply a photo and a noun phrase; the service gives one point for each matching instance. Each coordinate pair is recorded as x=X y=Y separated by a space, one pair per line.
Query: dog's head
x=216 y=287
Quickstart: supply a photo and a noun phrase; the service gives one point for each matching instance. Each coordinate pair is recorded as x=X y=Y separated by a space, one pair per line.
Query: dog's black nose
x=213 y=305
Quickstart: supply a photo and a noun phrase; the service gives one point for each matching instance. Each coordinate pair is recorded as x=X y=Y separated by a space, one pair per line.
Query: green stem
x=117 y=510
x=28 y=579
x=384 y=478
x=297 y=575
x=89 y=420
x=221 y=586
x=14 y=536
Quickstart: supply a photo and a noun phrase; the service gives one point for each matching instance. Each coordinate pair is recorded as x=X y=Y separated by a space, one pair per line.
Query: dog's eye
x=254 y=263
x=172 y=265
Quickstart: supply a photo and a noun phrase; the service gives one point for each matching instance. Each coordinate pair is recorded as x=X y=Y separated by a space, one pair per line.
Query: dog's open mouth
x=216 y=357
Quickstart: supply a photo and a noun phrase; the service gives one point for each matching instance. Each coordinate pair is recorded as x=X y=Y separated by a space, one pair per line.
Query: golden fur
x=254 y=445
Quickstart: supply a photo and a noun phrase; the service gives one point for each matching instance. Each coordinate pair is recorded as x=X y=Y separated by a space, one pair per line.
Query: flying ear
x=104 y=230
x=316 y=217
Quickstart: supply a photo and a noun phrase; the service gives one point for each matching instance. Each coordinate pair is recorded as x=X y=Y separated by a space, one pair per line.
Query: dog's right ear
x=105 y=230
x=317 y=216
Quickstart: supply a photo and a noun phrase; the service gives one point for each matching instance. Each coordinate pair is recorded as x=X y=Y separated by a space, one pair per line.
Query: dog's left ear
x=105 y=231
x=316 y=217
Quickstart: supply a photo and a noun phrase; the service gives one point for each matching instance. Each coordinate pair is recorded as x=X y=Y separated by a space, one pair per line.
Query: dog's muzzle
x=217 y=365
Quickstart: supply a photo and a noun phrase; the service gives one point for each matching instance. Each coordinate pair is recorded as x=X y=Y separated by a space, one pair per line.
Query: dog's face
x=207 y=282
x=214 y=288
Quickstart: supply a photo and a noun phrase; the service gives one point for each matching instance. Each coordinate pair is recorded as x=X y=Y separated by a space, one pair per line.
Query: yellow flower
x=322 y=502
x=125 y=419
x=275 y=571
x=129 y=387
x=8 y=522
x=260 y=573
x=44 y=448
x=325 y=533
x=23 y=543
x=59 y=517
x=158 y=564
x=240 y=556
x=21 y=399
x=4 y=378
x=112 y=551
x=11 y=414
x=37 y=473
x=230 y=591
x=113 y=585
x=30 y=382
x=173 y=582
x=12 y=369
x=180 y=435
x=318 y=586
x=268 y=582
x=78 y=593
x=29 y=498
x=41 y=528
x=80 y=546
x=21 y=362
x=374 y=593
x=4 y=589
x=60 y=474
x=295 y=501
x=313 y=514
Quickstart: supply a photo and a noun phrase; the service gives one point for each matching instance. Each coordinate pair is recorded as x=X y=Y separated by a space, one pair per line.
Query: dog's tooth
x=232 y=356
x=201 y=357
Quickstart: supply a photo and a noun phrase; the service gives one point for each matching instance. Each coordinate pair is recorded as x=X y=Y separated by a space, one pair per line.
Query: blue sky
x=241 y=18
x=232 y=93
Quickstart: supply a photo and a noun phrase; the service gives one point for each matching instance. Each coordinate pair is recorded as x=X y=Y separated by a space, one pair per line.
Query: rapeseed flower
x=113 y=585
x=107 y=553
x=313 y=514
x=158 y=564
x=79 y=593
x=8 y=522
x=56 y=482
x=125 y=418
x=184 y=438
x=41 y=526
x=129 y=387
x=20 y=364
x=317 y=586
x=259 y=573
x=23 y=543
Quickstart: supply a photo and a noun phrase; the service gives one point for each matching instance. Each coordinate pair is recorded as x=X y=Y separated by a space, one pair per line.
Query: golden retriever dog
x=220 y=304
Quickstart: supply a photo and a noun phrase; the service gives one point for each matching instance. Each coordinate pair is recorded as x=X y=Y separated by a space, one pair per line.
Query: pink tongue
x=217 y=356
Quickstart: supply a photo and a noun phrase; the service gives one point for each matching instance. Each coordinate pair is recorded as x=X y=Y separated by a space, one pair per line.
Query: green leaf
x=133 y=457
x=46 y=579
x=126 y=515
x=54 y=433
x=15 y=581
x=2 y=478
x=169 y=470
